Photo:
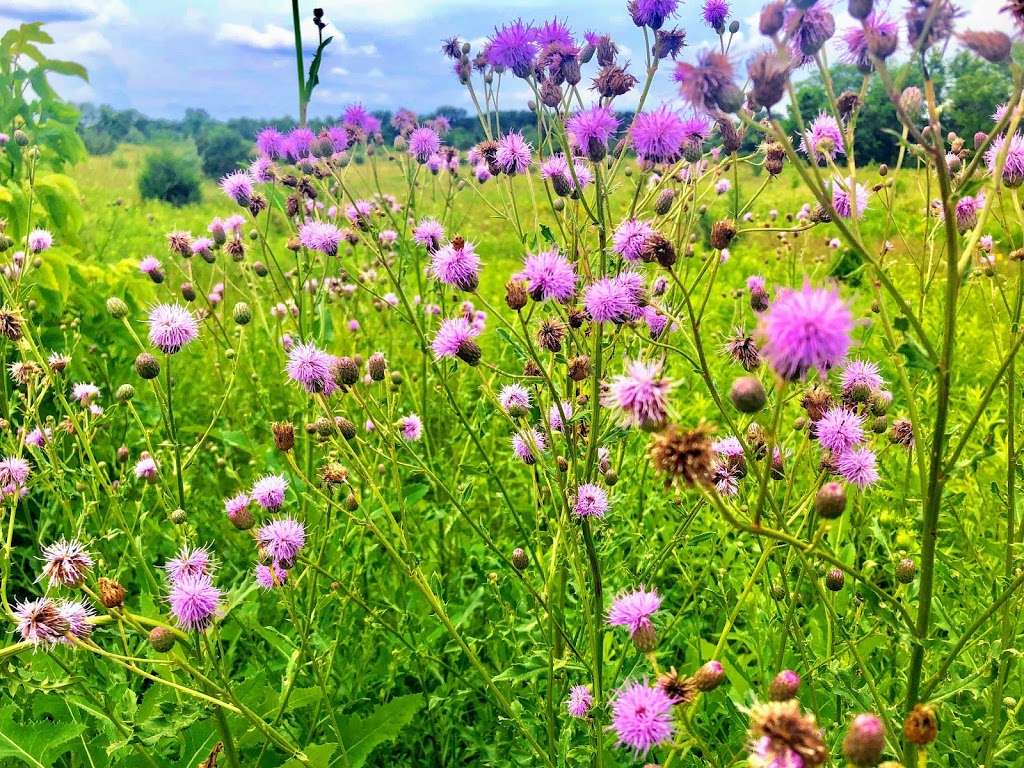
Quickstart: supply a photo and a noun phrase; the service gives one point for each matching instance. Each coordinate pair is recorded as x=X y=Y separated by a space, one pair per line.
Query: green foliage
x=222 y=151
x=37 y=743
x=978 y=88
x=172 y=176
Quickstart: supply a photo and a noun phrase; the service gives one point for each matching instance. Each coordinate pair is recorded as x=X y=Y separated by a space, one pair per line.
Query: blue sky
x=235 y=57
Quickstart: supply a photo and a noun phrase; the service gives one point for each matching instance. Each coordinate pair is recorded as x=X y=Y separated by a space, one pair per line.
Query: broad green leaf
x=319 y=756
x=68 y=68
x=59 y=195
x=361 y=737
x=38 y=744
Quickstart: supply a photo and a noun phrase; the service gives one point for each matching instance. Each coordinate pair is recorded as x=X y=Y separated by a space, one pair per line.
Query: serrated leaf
x=38 y=744
x=319 y=756
x=360 y=737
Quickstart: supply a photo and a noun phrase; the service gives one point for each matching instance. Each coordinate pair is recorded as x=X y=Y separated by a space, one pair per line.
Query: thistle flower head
x=580 y=701
x=658 y=136
x=633 y=610
x=320 y=236
x=268 y=491
x=630 y=237
x=189 y=562
x=40 y=621
x=513 y=47
x=312 y=369
x=424 y=142
x=642 y=717
x=194 y=601
x=514 y=154
x=429 y=233
x=652 y=13
x=640 y=395
x=1013 y=167
x=850 y=200
x=515 y=399
x=781 y=736
x=804 y=329
x=858 y=466
x=270 y=576
x=238 y=186
x=282 y=540
x=66 y=563
x=708 y=84
x=548 y=275
x=616 y=299
x=171 y=327
x=591 y=129
x=715 y=13
x=411 y=427
x=527 y=444
x=591 y=501
x=823 y=139
x=456 y=264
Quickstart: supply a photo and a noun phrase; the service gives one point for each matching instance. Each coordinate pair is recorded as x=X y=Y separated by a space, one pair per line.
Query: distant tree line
x=969 y=89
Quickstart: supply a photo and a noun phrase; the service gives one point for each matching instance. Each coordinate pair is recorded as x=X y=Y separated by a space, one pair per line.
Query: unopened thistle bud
x=722 y=233
x=284 y=435
x=111 y=593
x=469 y=352
x=663 y=204
x=188 y=291
x=921 y=727
x=709 y=676
x=992 y=46
x=834 y=579
x=611 y=477
x=241 y=313
x=830 y=501
x=865 y=740
x=376 y=366
x=906 y=570
x=125 y=393
x=260 y=269
x=351 y=502
x=346 y=371
x=161 y=639
x=147 y=366
x=178 y=516
x=116 y=307
x=645 y=638
x=785 y=686
x=520 y=560
x=747 y=394
x=516 y=294
x=773 y=16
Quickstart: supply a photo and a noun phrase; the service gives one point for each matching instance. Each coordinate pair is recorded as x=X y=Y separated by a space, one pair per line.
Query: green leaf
x=545 y=230
x=361 y=737
x=38 y=744
x=313 y=79
x=319 y=756
x=59 y=195
x=914 y=355
x=68 y=68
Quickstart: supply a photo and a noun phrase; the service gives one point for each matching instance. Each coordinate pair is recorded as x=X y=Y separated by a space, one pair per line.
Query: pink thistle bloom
x=194 y=602
x=391 y=299
x=1013 y=167
x=860 y=373
x=423 y=142
x=591 y=129
x=580 y=701
x=652 y=13
x=722 y=186
x=202 y=246
x=39 y=240
x=481 y=172
x=40 y=621
x=555 y=416
x=658 y=136
x=844 y=202
x=236 y=505
x=429 y=234
x=804 y=329
x=966 y=211
x=66 y=563
x=38 y=437
x=515 y=399
x=261 y=170
x=591 y=501
x=411 y=427
x=270 y=143
x=388 y=237
x=146 y=468
x=282 y=539
x=513 y=47
x=630 y=237
x=527 y=444
x=642 y=717
x=14 y=472
x=458 y=267
x=269 y=491
x=171 y=327
x=633 y=610
x=189 y=562
x=823 y=139
x=312 y=368
x=149 y=265
x=641 y=395
x=84 y=393
x=858 y=466
x=839 y=430
x=298 y=142
x=514 y=154
x=320 y=236
x=548 y=275
x=656 y=322
x=238 y=186
x=77 y=614
x=270 y=576
x=454 y=336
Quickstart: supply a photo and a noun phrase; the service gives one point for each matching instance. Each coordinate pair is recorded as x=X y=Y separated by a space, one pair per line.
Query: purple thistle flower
x=549 y=275
x=656 y=322
x=591 y=129
x=805 y=329
x=429 y=234
x=553 y=32
x=843 y=201
x=481 y=172
x=515 y=399
x=14 y=472
x=189 y=562
x=651 y=13
x=411 y=427
x=555 y=415
x=591 y=501
x=38 y=437
x=715 y=13
x=360 y=212
x=271 y=143
x=455 y=336
x=40 y=621
x=39 y=240
x=146 y=468
x=858 y=466
x=236 y=505
x=633 y=610
x=630 y=237
x=580 y=701
x=1013 y=167
x=839 y=430
x=641 y=395
x=298 y=142
x=282 y=540
x=66 y=563
x=84 y=392
x=202 y=246
x=269 y=491
x=312 y=368
x=238 y=186
x=171 y=327
x=149 y=265
x=614 y=299
x=424 y=142
x=513 y=47
x=513 y=155
x=966 y=211
x=357 y=117
x=270 y=576
x=658 y=136
x=642 y=717
x=823 y=140
x=705 y=83
x=261 y=170
x=194 y=602
x=808 y=30
x=457 y=264
x=320 y=236
x=877 y=35
x=526 y=445
x=860 y=373
x=77 y=614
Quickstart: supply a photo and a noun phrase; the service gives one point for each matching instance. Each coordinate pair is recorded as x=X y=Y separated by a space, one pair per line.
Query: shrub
x=171 y=176
x=222 y=151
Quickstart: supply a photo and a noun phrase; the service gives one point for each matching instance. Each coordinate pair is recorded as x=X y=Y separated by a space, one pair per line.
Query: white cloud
x=64 y=10
x=375 y=72
x=277 y=39
x=84 y=44
x=340 y=71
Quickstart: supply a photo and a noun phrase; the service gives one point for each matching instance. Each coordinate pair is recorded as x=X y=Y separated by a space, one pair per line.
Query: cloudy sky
x=235 y=57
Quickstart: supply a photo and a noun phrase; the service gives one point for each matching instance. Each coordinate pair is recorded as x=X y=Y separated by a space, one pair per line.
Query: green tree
x=222 y=151
x=172 y=176
x=977 y=89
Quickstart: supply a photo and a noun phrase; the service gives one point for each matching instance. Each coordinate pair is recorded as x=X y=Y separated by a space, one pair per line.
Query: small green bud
x=116 y=307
